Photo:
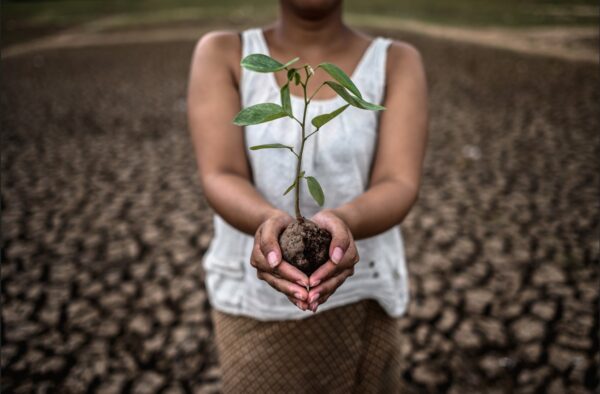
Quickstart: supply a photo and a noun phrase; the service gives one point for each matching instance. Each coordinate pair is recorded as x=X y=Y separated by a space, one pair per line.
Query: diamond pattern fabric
x=350 y=349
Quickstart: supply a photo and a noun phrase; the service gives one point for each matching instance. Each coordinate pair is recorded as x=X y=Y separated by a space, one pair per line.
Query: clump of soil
x=305 y=245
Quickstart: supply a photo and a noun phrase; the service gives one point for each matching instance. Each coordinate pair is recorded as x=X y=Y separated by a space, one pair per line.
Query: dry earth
x=104 y=225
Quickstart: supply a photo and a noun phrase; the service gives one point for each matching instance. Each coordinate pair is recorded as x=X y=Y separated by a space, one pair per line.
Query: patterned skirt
x=350 y=349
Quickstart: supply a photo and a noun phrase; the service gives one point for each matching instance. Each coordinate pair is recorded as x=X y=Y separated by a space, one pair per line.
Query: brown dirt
x=305 y=245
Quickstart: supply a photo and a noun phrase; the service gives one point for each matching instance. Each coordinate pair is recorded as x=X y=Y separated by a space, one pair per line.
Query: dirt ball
x=305 y=245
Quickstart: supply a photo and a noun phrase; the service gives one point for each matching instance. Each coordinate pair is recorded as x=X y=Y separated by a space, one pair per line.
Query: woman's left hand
x=343 y=256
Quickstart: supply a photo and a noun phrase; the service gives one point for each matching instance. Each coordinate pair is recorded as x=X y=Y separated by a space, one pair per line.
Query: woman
x=278 y=330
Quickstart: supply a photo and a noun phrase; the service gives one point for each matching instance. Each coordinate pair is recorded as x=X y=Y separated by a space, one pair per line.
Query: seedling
x=303 y=243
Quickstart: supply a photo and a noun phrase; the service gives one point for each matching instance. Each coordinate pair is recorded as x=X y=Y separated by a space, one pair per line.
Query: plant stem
x=299 y=217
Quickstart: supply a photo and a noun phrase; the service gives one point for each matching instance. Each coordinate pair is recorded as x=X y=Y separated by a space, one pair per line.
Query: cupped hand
x=267 y=259
x=343 y=256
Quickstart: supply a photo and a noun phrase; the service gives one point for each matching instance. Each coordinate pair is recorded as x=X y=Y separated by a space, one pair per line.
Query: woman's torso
x=340 y=157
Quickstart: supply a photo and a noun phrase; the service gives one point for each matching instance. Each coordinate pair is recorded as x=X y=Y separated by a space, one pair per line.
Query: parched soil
x=104 y=225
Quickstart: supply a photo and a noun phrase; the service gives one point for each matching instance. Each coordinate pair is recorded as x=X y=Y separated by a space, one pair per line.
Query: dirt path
x=573 y=43
x=104 y=225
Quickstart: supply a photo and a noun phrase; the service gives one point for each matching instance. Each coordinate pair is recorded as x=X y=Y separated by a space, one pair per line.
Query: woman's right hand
x=267 y=259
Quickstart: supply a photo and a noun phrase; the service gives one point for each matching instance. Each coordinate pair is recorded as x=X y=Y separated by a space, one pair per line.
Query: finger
x=324 y=298
x=269 y=241
x=323 y=273
x=330 y=269
x=327 y=288
x=284 y=270
x=290 y=273
x=303 y=305
x=288 y=288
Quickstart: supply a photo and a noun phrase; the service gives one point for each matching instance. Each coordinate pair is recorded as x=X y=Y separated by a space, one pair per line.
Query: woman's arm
x=396 y=173
x=213 y=101
x=395 y=177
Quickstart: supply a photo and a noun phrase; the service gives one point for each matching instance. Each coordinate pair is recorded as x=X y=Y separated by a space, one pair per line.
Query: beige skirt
x=350 y=349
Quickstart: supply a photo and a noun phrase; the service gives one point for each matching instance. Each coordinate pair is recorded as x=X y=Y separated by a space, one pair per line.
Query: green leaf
x=259 y=113
x=341 y=77
x=294 y=60
x=293 y=74
x=315 y=190
x=293 y=185
x=290 y=188
x=319 y=121
x=263 y=63
x=271 y=146
x=353 y=100
x=290 y=74
x=286 y=102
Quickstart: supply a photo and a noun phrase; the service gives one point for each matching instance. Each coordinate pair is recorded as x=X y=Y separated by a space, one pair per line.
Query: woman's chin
x=312 y=9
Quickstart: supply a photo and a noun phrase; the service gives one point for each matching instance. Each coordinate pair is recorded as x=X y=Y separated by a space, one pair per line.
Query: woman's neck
x=309 y=30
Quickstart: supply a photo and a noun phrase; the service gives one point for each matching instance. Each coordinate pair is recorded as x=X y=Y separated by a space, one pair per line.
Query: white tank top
x=340 y=157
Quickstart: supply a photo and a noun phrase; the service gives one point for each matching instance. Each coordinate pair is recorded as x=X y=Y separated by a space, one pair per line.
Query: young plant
x=303 y=243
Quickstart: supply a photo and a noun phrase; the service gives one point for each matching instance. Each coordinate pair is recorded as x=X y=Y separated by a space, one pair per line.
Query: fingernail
x=299 y=305
x=272 y=258
x=315 y=283
x=314 y=298
x=300 y=296
x=301 y=283
x=337 y=255
x=313 y=307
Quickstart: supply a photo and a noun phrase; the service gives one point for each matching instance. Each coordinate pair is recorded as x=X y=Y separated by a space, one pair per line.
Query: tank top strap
x=371 y=70
x=252 y=42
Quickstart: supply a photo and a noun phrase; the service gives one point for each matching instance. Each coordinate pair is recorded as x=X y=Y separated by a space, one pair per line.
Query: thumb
x=269 y=243
x=339 y=244
x=340 y=237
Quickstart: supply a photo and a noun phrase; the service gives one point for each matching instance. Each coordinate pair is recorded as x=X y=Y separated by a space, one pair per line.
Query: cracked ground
x=104 y=225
